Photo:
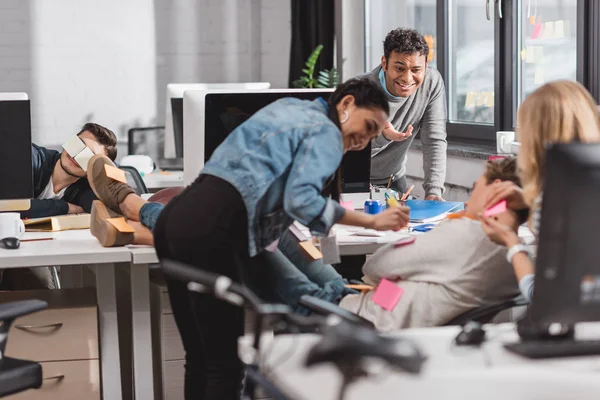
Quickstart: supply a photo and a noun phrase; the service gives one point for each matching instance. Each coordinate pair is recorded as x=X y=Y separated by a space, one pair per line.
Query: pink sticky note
x=496 y=209
x=347 y=205
x=387 y=294
x=492 y=158
x=537 y=29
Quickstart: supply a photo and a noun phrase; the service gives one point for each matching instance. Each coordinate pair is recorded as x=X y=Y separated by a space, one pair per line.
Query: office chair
x=17 y=375
x=134 y=179
x=485 y=314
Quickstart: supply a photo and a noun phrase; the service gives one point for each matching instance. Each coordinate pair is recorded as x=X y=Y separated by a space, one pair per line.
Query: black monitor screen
x=16 y=176
x=177 y=112
x=226 y=111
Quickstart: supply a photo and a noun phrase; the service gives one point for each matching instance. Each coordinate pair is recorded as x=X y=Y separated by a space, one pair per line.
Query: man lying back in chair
x=444 y=273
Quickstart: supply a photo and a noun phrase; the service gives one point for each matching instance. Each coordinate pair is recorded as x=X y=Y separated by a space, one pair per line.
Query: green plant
x=308 y=80
x=328 y=78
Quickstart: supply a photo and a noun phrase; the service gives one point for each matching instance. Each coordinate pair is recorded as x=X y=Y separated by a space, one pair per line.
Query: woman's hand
x=508 y=191
x=392 y=219
x=498 y=232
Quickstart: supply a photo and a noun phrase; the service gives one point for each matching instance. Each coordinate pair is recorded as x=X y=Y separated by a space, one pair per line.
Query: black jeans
x=205 y=226
x=400 y=185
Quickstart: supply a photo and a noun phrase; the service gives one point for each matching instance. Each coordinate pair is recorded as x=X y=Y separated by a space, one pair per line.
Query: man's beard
x=67 y=170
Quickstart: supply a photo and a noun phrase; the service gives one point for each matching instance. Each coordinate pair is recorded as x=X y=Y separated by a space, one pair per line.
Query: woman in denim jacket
x=268 y=172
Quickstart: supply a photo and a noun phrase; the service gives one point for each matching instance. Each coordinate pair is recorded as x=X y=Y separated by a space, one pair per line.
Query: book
x=424 y=211
x=57 y=223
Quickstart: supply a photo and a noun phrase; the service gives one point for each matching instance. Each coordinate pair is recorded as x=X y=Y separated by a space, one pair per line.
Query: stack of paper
x=424 y=211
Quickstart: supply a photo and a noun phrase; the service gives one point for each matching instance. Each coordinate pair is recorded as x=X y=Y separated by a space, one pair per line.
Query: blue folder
x=430 y=210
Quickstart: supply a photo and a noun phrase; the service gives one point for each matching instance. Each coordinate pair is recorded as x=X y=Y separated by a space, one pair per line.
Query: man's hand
x=434 y=197
x=73 y=209
x=392 y=219
x=390 y=133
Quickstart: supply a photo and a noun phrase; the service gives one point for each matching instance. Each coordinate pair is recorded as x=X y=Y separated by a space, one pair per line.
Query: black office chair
x=134 y=179
x=486 y=314
x=17 y=375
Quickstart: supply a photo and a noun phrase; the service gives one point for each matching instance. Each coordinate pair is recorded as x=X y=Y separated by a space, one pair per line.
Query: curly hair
x=404 y=40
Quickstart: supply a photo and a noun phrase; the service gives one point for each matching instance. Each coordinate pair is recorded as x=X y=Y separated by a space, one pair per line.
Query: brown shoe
x=109 y=191
x=104 y=231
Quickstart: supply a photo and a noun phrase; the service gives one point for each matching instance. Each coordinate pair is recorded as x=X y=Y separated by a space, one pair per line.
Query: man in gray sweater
x=417 y=100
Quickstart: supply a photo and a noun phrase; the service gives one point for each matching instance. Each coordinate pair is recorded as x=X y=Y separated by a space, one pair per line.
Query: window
x=493 y=54
x=381 y=16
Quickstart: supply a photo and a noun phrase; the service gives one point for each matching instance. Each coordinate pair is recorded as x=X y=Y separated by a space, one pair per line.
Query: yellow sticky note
x=115 y=173
x=490 y=100
x=538 y=54
x=559 y=29
x=523 y=54
x=482 y=99
x=548 y=30
x=539 y=75
x=121 y=225
x=530 y=57
x=311 y=250
x=470 y=102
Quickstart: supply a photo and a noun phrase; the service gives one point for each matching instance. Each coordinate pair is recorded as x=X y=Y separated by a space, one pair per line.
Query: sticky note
x=490 y=100
x=84 y=157
x=523 y=54
x=404 y=241
x=360 y=287
x=548 y=30
x=74 y=146
x=538 y=54
x=311 y=250
x=537 y=29
x=387 y=294
x=470 y=101
x=496 y=209
x=566 y=28
x=530 y=58
x=482 y=99
x=559 y=29
x=539 y=75
x=532 y=20
x=115 y=173
x=347 y=205
x=121 y=225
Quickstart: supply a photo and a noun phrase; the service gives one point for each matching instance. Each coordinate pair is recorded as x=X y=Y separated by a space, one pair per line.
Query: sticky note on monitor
x=74 y=146
x=482 y=100
x=537 y=29
x=84 y=157
x=490 y=100
x=387 y=294
x=115 y=173
x=470 y=101
x=530 y=55
x=538 y=79
x=559 y=29
x=548 y=30
x=496 y=209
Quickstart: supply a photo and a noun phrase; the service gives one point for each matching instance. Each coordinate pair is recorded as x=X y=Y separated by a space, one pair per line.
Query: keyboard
x=555 y=348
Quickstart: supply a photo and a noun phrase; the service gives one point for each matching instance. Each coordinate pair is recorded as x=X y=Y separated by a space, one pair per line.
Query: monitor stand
x=15 y=205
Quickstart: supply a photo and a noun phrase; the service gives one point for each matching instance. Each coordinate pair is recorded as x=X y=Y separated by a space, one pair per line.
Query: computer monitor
x=567 y=286
x=225 y=110
x=177 y=111
x=16 y=178
x=177 y=89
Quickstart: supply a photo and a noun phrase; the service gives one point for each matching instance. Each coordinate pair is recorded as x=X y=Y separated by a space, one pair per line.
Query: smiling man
x=59 y=181
x=417 y=99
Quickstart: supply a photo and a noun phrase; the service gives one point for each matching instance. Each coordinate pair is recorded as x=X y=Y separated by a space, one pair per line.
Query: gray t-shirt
x=425 y=110
x=449 y=270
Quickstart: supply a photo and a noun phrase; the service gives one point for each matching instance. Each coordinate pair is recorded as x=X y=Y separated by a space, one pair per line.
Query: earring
x=346 y=116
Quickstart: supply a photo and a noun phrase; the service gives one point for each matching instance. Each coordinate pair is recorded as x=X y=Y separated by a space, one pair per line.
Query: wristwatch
x=517 y=248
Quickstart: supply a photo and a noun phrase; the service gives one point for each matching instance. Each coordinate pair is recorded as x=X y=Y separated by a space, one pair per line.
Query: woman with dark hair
x=270 y=171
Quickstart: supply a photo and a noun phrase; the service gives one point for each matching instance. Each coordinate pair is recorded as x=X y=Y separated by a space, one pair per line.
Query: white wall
x=109 y=61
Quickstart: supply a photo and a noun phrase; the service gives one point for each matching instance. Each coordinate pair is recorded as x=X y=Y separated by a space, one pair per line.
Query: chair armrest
x=15 y=309
x=323 y=307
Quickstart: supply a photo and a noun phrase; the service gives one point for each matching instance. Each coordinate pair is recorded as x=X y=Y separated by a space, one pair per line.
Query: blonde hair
x=558 y=112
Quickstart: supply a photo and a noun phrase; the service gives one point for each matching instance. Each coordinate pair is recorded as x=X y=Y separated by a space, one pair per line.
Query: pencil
x=405 y=196
x=390 y=181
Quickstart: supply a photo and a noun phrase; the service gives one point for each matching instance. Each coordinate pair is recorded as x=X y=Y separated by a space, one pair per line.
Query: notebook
x=424 y=211
x=57 y=223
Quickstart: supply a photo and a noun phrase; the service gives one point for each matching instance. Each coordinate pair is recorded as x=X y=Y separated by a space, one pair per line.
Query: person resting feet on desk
x=270 y=171
x=444 y=273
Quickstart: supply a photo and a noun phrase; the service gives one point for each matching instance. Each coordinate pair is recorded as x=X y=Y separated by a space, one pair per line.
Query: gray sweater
x=444 y=273
x=425 y=110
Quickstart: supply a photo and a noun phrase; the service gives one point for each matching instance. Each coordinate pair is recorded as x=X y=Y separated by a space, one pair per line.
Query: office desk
x=74 y=248
x=163 y=179
x=451 y=372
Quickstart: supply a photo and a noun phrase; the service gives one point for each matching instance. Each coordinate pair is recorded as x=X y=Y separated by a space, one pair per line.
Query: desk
x=451 y=372
x=163 y=179
x=81 y=248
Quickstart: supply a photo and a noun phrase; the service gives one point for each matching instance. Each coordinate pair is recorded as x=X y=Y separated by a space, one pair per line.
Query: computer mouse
x=472 y=334
x=10 y=243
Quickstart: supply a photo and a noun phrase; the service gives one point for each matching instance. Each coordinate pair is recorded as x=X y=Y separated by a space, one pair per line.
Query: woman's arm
x=394 y=219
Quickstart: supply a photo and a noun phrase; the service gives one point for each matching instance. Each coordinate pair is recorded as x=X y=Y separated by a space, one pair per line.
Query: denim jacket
x=279 y=161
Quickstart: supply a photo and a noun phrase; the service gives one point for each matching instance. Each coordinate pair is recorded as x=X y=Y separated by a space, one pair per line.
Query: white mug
x=503 y=141
x=11 y=225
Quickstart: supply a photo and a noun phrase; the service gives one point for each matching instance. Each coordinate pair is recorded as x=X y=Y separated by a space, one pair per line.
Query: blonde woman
x=558 y=112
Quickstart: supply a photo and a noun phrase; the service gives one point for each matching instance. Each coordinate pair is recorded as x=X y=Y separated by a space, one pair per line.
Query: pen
x=405 y=196
x=390 y=181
